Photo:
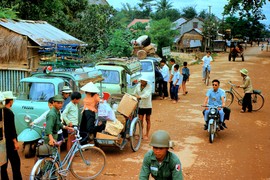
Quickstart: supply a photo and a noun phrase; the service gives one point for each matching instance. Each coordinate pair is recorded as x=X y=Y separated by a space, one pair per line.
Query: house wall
x=189 y=25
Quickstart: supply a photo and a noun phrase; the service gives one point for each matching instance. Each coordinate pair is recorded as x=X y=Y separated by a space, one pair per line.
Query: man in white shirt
x=166 y=76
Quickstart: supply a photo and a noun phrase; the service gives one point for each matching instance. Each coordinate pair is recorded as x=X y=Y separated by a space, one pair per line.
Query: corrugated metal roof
x=40 y=32
x=179 y=22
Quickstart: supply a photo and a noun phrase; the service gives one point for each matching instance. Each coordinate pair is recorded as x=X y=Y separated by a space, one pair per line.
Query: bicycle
x=207 y=75
x=84 y=161
x=256 y=98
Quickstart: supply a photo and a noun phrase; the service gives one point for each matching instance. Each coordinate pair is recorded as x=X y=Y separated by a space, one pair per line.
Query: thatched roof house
x=20 y=42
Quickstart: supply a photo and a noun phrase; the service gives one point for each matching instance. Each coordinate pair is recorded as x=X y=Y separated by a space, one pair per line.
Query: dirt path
x=239 y=152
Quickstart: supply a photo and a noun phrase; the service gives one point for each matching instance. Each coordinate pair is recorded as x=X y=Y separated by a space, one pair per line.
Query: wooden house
x=20 y=42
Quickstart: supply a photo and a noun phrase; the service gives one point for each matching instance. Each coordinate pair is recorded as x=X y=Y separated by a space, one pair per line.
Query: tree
x=210 y=28
x=164 y=10
x=162 y=34
x=95 y=26
x=189 y=12
x=8 y=13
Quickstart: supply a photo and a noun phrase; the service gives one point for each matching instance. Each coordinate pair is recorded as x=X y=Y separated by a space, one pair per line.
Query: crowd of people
x=64 y=113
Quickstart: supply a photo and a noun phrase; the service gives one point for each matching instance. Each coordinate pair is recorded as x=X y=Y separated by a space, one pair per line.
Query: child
x=90 y=101
x=186 y=74
x=177 y=80
x=71 y=116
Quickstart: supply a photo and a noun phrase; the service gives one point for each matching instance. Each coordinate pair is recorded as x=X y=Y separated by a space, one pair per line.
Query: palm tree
x=163 y=5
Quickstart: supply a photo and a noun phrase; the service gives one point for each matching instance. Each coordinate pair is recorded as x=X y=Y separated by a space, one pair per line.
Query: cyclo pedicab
x=126 y=127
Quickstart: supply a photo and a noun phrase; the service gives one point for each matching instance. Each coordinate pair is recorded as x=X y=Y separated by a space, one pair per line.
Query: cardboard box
x=127 y=105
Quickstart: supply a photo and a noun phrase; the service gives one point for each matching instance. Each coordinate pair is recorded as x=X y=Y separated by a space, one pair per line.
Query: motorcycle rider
x=215 y=97
x=160 y=162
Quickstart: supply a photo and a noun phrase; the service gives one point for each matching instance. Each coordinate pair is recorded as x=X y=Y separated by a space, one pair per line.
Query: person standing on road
x=166 y=75
x=143 y=92
x=90 y=108
x=176 y=81
x=12 y=145
x=207 y=59
x=160 y=162
x=71 y=116
x=248 y=90
x=172 y=62
x=215 y=97
x=53 y=121
x=186 y=74
x=66 y=92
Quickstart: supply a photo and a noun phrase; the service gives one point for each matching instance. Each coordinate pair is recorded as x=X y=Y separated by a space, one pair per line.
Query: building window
x=195 y=24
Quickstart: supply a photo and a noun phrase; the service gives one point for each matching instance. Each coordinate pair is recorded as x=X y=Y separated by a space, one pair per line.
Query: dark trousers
x=15 y=162
x=88 y=122
x=171 y=89
x=165 y=88
x=159 y=87
x=247 y=102
x=174 y=92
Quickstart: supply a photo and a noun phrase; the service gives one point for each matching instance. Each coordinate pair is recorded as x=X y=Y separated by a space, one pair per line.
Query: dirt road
x=239 y=152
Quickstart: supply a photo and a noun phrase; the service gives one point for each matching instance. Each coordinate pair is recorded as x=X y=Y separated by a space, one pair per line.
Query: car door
x=148 y=71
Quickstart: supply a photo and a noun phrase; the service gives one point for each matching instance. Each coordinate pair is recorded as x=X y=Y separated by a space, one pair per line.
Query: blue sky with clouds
x=216 y=6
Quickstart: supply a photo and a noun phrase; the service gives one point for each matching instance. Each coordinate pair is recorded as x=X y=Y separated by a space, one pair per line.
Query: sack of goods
x=114 y=127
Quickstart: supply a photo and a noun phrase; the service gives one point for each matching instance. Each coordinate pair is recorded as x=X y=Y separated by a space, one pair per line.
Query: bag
x=114 y=128
x=103 y=109
x=3 y=149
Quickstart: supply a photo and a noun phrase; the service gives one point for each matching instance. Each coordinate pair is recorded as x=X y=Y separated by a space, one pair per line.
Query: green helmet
x=44 y=150
x=161 y=138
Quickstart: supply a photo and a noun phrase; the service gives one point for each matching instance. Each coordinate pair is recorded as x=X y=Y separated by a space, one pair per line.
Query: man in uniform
x=160 y=162
x=53 y=122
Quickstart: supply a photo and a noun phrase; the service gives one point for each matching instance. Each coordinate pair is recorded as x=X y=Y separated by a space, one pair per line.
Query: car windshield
x=147 y=66
x=35 y=91
x=110 y=76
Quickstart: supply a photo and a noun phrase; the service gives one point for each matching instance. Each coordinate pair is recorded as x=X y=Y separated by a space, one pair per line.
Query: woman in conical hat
x=90 y=102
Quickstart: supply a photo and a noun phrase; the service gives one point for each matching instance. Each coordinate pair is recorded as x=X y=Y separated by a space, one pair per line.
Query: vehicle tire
x=243 y=59
x=229 y=98
x=211 y=133
x=136 y=138
x=207 y=78
x=27 y=150
x=88 y=163
x=234 y=58
x=45 y=169
x=257 y=101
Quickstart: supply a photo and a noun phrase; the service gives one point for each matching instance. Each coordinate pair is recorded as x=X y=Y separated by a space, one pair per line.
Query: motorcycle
x=30 y=137
x=214 y=124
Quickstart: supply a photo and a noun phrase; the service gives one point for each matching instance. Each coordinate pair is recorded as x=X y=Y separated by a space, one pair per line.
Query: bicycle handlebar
x=230 y=83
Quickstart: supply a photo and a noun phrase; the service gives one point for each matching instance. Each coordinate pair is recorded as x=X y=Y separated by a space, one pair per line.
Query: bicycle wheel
x=45 y=169
x=136 y=138
x=229 y=98
x=88 y=162
x=257 y=101
x=207 y=77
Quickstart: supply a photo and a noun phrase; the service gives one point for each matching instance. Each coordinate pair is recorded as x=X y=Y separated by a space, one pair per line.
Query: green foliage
x=94 y=26
x=189 y=12
x=8 y=13
x=119 y=45
x=162 y=34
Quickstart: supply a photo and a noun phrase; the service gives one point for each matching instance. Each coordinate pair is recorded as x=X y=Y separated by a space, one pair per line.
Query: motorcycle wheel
x=28 y=152
x=211 y=133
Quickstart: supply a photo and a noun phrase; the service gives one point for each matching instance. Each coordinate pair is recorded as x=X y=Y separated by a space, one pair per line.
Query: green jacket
x=169 y=169
x=53 y=124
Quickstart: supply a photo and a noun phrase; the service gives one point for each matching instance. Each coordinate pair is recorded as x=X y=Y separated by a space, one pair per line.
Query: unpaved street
x=239 y=152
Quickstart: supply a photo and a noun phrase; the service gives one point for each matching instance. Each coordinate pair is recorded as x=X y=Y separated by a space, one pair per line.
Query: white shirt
x=206 y=61
x=71 y=114
x=42 y=117
x=145 y=94
x=165 y=72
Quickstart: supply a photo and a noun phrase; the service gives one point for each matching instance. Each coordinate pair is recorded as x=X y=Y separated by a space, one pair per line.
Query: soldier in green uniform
x=53 y=122
x=160 y=162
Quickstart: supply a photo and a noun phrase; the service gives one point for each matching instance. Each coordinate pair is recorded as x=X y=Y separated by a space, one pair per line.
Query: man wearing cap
x=66 y=92
x=143 y=92
x=160 y=162
x=12 y=145
x=248 y=90
x=53 y=122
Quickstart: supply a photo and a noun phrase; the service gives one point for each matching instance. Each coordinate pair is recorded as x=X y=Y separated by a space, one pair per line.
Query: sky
x=216 y=6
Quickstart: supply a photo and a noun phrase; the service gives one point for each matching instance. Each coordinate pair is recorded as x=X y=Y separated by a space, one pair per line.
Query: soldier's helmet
x=161 y=138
